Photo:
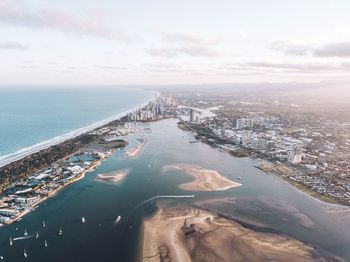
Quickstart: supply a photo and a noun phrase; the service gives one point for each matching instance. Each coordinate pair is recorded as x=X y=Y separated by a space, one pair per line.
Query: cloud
x=193 y=51
x=20 y=15
x=189 y=39
x=300 y=50
x=333 y=50
x=313 y=68
x=339 y=49
x=9 y=45
x=111 y=67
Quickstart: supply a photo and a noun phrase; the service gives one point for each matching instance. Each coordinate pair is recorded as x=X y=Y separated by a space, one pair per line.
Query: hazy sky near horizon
x=172 y=42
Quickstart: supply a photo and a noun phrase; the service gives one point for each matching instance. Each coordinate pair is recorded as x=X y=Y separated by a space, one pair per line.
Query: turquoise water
x=29 y=116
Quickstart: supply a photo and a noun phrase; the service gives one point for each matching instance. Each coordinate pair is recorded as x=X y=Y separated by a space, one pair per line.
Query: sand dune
x=204 y=179
x=186 y=234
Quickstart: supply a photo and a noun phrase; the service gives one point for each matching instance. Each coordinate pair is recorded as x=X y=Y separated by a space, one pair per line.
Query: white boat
x=1 y=257
x=149 y=165
x=25 y=253
x=60 y=232
x=44 y=224
x=10 y=241
x=117 y=220
x=83 y=219
x=45 y=243
x=25 y=233
x=37 y=235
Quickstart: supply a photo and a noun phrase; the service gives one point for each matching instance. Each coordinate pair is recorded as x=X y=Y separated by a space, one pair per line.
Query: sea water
x=32 y=118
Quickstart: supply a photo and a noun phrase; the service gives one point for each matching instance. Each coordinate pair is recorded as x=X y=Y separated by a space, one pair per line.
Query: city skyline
x=162 y=43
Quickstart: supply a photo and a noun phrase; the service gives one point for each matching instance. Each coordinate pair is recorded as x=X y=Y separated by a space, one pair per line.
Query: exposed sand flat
x=186 y=234
x=133 y=152
x=204 y=179
x=113 y=177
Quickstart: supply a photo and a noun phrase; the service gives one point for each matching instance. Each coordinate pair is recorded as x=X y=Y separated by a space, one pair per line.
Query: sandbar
x=115 y=177
x=187 y=234
x=204 y=179
x=133 y=152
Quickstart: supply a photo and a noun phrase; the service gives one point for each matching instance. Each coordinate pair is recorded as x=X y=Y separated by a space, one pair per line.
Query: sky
x=162 y=42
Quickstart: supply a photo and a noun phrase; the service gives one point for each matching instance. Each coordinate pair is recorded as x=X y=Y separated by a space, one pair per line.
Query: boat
x=45 y=244
x=194 y=141
x=25 y=253
x=44 y=224
x=10 y=241
x=37 y=235
x=83 y=219
x=117 y=220
x=149 y=165
x=60 y=232
x=1 y=257
x=25 y=233
x=239 y=178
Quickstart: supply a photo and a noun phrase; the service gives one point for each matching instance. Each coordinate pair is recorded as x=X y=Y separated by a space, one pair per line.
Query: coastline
x=52 y=193
x=42 y=197
x=327 y=203
x=27 y=151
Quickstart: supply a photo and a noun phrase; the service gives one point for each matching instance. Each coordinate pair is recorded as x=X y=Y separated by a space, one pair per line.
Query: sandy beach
x=186 y=234
x=115 y=177
x=204 y=179
x=133 y=152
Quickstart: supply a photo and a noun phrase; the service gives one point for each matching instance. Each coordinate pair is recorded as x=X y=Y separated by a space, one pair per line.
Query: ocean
x=32 y=118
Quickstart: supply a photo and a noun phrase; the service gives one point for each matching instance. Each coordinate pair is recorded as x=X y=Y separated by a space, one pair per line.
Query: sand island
x=113 y=177
x=133 y=152
x=187 y=234
x=204 y=179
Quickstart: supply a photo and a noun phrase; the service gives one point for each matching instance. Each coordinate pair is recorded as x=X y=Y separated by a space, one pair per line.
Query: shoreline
x=326 y=202
x=53 y=193
x=27 y=151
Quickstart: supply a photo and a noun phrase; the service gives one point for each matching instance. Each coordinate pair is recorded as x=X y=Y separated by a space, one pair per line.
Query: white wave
x=6 y=159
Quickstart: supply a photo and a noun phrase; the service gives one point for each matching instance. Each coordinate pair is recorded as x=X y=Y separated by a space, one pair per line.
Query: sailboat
x=25 y=233
x=25 y=253
x=83 y=219
x=37 y=235
x=10 y=241
x=45 y=243
x=44 y=223
x=60 y=232
x=117 y=220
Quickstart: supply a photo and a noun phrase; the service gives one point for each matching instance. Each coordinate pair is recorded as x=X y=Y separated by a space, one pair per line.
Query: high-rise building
x=194 y=116
x=294 y=155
